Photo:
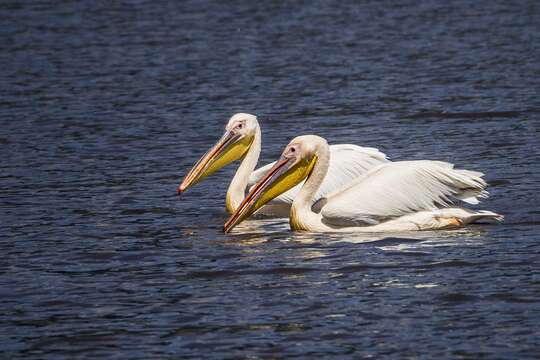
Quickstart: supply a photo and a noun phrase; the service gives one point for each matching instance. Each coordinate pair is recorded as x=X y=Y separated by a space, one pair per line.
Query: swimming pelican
x=242 y=140
x=395 y=196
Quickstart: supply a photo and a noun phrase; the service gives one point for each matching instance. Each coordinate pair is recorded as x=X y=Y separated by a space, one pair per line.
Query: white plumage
x=348 y=162
x=392 y=196
x=400 y=188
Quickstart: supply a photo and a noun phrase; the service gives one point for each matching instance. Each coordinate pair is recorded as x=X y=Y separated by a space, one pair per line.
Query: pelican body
x=242 y=141
x=394 y=196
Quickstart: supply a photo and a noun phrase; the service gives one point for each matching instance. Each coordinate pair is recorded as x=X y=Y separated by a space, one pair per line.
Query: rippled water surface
x=106 y=105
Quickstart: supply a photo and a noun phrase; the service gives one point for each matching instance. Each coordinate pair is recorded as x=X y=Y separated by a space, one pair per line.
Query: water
x=106 y=105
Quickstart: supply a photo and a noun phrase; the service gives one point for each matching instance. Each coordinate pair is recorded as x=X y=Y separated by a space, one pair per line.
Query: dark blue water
x=106 y=105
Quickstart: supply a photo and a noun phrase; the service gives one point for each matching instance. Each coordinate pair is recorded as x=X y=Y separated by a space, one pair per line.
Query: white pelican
x=395 y=196
x=242 y=140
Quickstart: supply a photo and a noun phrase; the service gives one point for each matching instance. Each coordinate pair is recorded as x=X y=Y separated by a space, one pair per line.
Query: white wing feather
x=347 y=163
x=258 y=174
x=399 y=188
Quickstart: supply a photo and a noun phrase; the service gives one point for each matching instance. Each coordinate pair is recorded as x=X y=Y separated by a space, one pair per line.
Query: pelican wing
x=399 y=188
x=347 y=163
x=256 y=175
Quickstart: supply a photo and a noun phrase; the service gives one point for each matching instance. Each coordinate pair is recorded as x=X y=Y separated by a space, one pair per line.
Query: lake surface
x=106 y=105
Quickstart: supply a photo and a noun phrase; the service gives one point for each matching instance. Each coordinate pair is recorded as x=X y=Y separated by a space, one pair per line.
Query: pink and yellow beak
x=286 y=173
x=229 y=148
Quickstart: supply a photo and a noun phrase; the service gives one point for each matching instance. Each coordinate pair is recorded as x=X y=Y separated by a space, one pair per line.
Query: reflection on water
x=253 y=231
x=260 y=226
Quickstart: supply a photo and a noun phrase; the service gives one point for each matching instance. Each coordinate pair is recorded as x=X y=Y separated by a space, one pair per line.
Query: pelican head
x=233 y=145
x=294 y=165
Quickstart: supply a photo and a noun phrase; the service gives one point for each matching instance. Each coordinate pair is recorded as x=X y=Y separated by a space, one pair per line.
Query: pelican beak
x=229 y=148
x=285 y=174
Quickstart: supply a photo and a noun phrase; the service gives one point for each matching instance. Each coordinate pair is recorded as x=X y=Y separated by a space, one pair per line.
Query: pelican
x=242 y=140
x=394 y=196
